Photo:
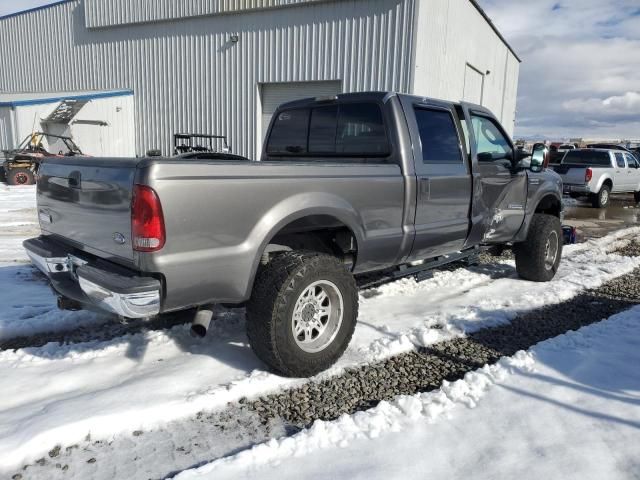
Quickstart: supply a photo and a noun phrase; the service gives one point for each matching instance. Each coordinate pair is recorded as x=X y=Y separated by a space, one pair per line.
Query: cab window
x=323 y=132
x=289 y=133
x=631 y=161
x=489 y=138
x=438 y=136
x=620 y=160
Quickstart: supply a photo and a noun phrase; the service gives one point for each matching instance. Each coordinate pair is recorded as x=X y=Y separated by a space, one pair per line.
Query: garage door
x=473 y=85
x=275 y=94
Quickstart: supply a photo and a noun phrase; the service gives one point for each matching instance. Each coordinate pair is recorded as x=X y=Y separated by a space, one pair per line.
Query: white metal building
x=102 y=122
x=222 y=66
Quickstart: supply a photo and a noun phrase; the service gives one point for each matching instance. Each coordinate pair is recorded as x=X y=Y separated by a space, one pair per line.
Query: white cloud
x=627 y=104
x=580 y=74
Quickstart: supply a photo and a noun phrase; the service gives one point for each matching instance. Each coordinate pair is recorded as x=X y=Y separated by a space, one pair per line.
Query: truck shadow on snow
x=83 y=331
x=31 y=321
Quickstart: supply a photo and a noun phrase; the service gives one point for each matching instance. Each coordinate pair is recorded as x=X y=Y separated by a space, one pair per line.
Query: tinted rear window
x=322 y=129
x=289 y=133
x=346 y=130
x=361 y=130
x=438 y=136
x=587 y=157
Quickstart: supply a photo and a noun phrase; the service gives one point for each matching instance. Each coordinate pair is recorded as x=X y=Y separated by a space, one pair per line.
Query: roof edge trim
x=89 y=96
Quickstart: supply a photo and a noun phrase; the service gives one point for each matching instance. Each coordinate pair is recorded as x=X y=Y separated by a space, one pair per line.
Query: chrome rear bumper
x=111 y=289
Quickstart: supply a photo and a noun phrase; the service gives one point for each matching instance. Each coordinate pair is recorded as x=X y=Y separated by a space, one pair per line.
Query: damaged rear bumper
x=95 y=283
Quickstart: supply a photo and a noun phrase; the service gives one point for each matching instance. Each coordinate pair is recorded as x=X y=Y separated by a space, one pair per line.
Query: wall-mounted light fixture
x=488 y=72
x=234 y=38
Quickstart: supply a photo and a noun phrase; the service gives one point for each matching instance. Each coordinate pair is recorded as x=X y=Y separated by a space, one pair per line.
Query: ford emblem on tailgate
x=119 y=238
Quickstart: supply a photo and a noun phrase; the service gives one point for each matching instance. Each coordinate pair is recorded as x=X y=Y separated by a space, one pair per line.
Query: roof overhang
x=20 y=99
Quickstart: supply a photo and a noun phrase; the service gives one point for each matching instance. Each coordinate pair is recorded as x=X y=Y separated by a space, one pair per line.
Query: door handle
x=423 y=188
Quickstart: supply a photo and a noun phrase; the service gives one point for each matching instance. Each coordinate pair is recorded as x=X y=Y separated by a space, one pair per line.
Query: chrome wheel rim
x=317 y=316
x=551 y=251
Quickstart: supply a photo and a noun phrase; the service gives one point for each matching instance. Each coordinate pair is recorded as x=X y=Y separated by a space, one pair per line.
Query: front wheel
x=538 y=257
x=302 y=313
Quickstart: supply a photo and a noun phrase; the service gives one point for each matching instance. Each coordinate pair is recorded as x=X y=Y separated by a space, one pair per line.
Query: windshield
x=587 y=157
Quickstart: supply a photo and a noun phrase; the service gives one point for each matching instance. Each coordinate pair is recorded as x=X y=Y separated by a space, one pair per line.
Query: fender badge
x=119 y=238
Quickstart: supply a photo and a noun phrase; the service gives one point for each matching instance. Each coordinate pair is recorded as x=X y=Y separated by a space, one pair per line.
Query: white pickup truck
x=597 y=173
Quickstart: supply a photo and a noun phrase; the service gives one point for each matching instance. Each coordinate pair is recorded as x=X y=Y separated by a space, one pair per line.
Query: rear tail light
x=147 y=221
x=588 y=175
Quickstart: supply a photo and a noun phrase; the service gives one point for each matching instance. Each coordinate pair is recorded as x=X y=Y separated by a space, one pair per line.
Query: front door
x=633 y=173
x=500 y=190
x=621 y=183
x=443 y=179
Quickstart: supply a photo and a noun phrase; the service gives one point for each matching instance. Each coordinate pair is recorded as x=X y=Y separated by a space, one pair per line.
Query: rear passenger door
x=443 y=179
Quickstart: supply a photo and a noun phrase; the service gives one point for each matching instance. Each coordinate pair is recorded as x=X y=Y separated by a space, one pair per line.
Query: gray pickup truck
x=348 y=185
x=596 y=173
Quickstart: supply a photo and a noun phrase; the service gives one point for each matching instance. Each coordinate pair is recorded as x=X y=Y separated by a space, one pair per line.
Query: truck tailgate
x=87 y=201
x=571 y=174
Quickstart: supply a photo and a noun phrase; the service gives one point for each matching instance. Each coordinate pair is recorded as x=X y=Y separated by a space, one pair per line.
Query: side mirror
x=539 y=158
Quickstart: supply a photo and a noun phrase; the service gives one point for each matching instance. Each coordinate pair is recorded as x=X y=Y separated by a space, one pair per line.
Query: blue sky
x=12 y=6
x=580 y=75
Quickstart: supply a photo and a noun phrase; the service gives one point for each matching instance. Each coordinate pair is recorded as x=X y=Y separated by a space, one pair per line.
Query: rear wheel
x=601 y=199
x=20 y=176
x=538 y=257
x=302 y=313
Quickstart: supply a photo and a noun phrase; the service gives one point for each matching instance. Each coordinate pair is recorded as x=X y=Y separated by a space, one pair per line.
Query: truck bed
x=86 y=203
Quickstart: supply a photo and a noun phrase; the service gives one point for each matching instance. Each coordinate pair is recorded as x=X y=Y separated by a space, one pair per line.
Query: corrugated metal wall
x=188 y=76
x=451 y=36
x=105 y=13
x=116 y=138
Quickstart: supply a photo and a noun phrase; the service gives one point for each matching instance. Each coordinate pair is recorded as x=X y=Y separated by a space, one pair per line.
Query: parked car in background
x=597 y=172
x=347 y=185
x=21 y=164
x=565 y=147
x=610 y=146
x=555 y=155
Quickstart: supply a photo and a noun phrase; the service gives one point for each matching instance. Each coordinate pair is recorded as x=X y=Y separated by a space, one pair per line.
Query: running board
x=422 y=271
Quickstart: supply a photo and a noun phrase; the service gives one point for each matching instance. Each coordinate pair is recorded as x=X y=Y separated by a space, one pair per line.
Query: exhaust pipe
x=201 y=322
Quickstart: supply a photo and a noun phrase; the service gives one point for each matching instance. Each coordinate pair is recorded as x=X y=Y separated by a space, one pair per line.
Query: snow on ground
x=567 y=408
x=18 y=220
x=26 y=303
x=59 y=394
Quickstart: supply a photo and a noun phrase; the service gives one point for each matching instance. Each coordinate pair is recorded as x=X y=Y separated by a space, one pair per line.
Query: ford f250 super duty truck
x=347 y=185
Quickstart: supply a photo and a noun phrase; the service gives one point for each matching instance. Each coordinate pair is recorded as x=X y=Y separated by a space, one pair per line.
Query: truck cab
x=465 y=182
